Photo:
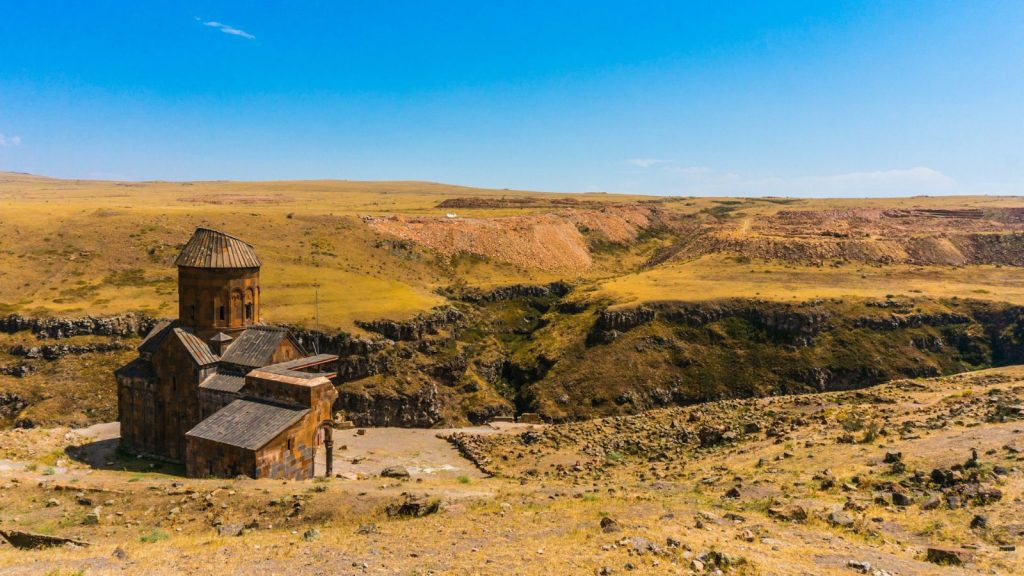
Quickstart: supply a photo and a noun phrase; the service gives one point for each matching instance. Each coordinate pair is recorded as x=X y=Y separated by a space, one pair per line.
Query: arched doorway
x=323 y=455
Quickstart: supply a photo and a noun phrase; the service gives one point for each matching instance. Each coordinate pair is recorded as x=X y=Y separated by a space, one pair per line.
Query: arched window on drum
x=250 y=306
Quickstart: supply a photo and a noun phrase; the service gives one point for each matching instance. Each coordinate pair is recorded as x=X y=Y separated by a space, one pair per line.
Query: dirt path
x=364 y=451
x=419 y=451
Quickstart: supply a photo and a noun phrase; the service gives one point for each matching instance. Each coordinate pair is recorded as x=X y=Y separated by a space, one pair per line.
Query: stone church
x=217 y=389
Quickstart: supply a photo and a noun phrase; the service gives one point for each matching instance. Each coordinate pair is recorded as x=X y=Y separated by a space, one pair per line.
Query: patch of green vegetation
x=131 y=277
x=155 y=535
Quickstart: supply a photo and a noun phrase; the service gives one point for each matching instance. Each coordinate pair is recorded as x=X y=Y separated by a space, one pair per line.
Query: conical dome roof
x=213 y=249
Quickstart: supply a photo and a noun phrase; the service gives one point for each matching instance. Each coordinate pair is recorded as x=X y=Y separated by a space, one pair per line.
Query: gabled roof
x=296 y=369
x=137 y=368
x=214 y=249
x=248 y=423
x=152 y=340
x=304 y=362
x=195 y=346
x=254 y=347
x=223 y=383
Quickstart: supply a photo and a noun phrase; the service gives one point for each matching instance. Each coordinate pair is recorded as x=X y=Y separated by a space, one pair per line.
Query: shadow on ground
x=106 y=454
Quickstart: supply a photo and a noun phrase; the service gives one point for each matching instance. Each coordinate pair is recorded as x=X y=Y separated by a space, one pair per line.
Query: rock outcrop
x=123 y=325
x=415 y=329
x=419 y=408
x=55 y=351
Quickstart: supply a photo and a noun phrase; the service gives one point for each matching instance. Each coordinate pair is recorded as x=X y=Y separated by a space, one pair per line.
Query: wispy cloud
x=228 y=29
x=647 y=162
x=9 y=141
x=688 y=170
x=895 y=182
x=668 y=165
x=673 y=177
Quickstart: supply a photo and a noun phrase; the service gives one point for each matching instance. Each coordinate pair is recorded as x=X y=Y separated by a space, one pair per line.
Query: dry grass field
x=714 y=277
x=378 y=249
x=778 y=486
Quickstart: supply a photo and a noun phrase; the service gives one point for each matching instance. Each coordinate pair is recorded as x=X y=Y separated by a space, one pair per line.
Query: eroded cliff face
x=415 y=406
x=544 y=349
x=123 y=325
x=679 y=353
x=551 y=350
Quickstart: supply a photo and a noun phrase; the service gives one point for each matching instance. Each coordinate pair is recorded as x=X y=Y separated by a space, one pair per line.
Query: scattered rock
x=413 y=507
x=788 y=513
x=230 y=529
x=395 y=472
x=840 y=518
x=639 y=545
x=609 y=525
x=92 y=518
x=860 y=566
x=30 y=541
x=893 y=457
x=948 y=556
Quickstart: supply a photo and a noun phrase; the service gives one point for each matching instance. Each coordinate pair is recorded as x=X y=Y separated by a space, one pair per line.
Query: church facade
x=219 y=391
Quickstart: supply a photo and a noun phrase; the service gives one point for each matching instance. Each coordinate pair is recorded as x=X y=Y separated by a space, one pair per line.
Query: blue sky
x=696 y=98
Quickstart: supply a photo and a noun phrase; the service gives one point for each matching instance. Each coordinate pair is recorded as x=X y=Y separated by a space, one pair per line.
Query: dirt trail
x=420 y=451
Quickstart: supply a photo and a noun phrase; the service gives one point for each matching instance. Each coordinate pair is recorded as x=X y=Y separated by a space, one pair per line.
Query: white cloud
x=8 y=141
x=667 y=165
x=672 y=178
x=688 y=170
x=647 y=162
x=916 y=175
x=903 y=181
x=229 y=29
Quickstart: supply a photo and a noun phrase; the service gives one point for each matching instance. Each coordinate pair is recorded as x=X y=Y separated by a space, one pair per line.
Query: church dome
x=214 y=249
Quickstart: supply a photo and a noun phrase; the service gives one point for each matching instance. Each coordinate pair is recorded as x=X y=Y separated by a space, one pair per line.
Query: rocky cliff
x=123 y=325
x=547 y=349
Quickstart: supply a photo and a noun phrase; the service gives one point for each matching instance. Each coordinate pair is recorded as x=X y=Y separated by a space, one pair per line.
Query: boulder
x=31 y=541
x=609 y=525
x=395 y=472
x=413 y=507
x=948 y=556
x=840 y=519
x=792 y=513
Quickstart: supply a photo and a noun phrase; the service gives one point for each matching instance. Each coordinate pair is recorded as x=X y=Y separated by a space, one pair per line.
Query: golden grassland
x=72 y=247
x=714 y=277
